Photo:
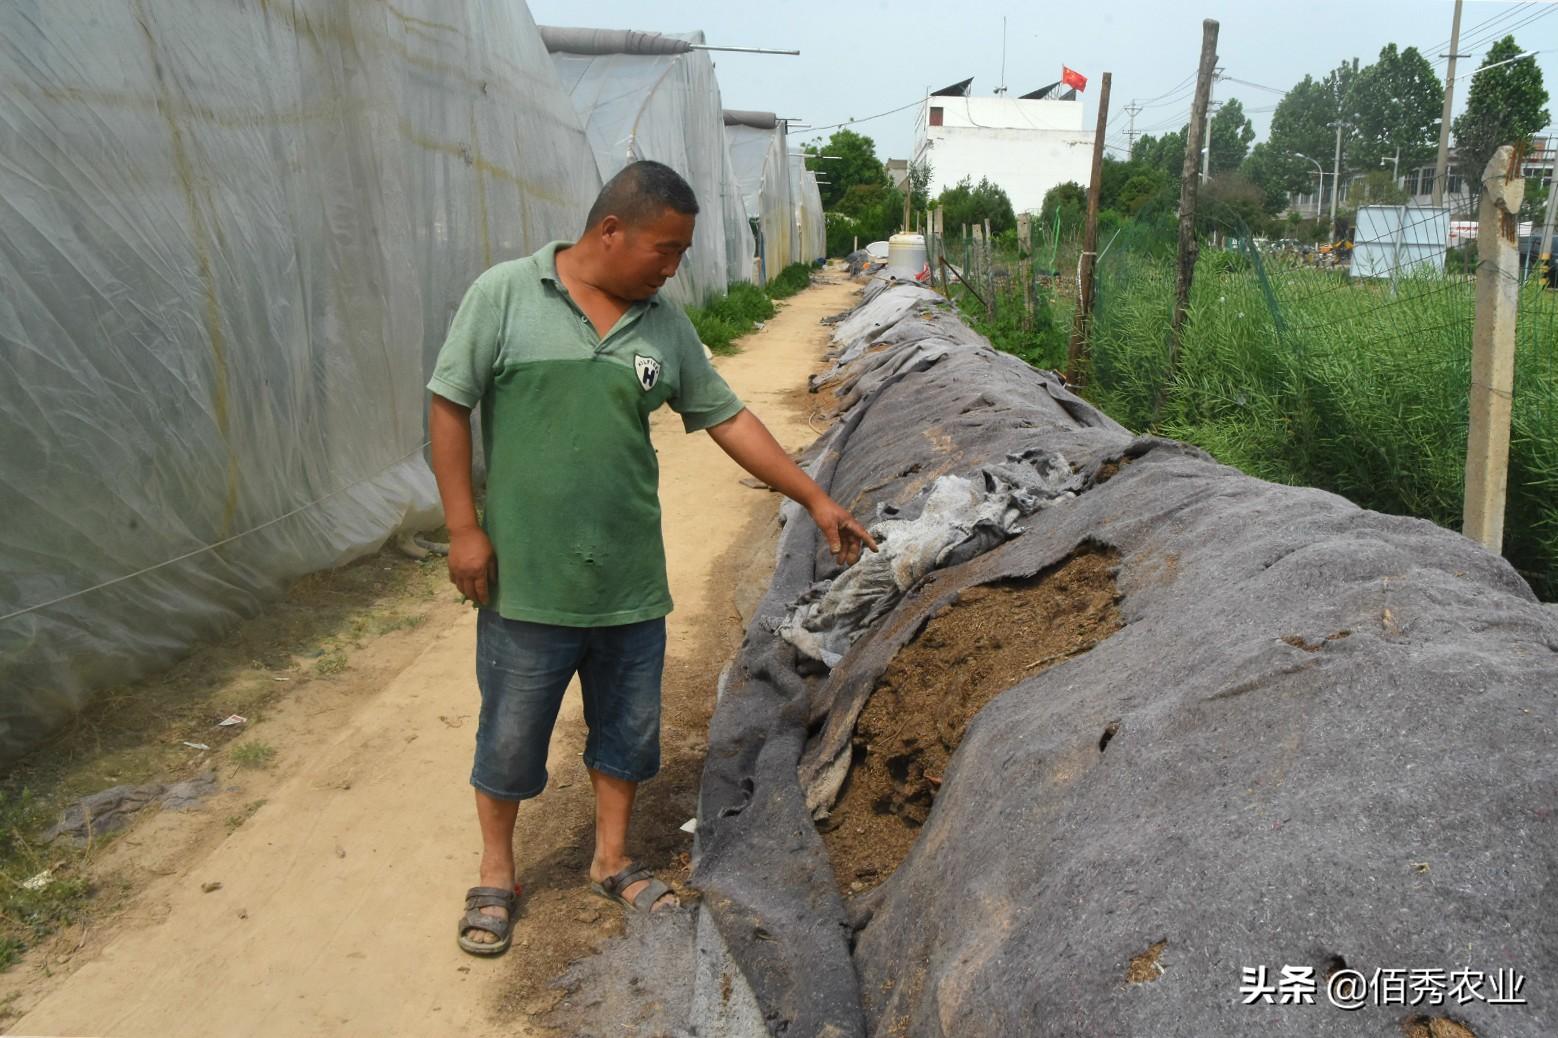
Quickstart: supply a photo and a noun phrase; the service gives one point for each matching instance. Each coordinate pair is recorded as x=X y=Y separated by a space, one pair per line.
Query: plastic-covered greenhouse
x=232 y=238
x=645 y=95
x=812 y=232
x=759 y=152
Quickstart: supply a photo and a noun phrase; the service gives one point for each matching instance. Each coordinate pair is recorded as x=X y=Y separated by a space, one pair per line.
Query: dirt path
x=338 y=895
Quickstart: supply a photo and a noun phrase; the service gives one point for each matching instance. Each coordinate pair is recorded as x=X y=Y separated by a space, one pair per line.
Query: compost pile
x=1118 y=724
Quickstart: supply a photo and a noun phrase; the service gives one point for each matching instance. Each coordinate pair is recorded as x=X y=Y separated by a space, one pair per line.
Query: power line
x=1177 y=86
x=1138 y=104
x=1508 y=12
x=863 y=119
x=1257 y=86
x=1185 y=93
x=1509 y=30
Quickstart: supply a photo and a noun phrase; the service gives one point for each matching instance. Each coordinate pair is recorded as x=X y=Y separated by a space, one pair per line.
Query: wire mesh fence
x=1297 y=370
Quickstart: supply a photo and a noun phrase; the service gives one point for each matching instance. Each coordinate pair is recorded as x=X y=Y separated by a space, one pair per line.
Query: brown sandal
x=612 y=886
x=478 y=898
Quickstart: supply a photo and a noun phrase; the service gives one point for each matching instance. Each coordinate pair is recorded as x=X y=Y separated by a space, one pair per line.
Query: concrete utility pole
x=1442 y=163
x=1493 y=349
x=1189 y=184
x=1336 y=171
x=1211 y=109
x=1076 y=351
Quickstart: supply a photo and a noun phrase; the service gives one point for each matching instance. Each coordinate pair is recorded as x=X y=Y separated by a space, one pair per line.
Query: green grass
x=1040 y=339
x=27 y=916
x=790 y=280
x=1314 y=380
x=726 y=318
x=1303 y=376
x=253 y=754
x=331 y=664
x=400 y=622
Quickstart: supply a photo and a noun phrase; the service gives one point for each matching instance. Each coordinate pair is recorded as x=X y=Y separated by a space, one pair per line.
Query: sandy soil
x=342 y=868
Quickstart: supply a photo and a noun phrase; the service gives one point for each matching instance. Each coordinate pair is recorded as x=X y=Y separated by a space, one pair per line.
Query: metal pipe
x=1320 y=194
x=742 y=50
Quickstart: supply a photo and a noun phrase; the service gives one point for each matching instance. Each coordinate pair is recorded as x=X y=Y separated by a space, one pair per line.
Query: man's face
x=643 y=256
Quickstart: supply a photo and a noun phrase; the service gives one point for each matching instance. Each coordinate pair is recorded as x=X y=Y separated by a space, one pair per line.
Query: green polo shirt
x=573 y=505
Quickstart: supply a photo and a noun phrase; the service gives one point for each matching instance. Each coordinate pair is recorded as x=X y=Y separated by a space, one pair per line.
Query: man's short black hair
x=642 y=191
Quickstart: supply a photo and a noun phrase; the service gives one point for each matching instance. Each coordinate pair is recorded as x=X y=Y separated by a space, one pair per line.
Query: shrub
x=724 y=319
x=790 y=280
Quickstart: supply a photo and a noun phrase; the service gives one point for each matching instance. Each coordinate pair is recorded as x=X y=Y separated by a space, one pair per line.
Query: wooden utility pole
x=989 y=271
x=1493 y=349
x=1076 y=352
x=936 y=232
x=1442 y=163
x=1025 y=265
x=1189 y=183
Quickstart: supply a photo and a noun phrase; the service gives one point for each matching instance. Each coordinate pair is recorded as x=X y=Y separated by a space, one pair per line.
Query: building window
x=935 y=116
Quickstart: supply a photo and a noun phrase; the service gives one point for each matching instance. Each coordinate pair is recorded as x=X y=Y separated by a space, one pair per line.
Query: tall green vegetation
x=1301 y=376
x=789 y=281
x=724 y=319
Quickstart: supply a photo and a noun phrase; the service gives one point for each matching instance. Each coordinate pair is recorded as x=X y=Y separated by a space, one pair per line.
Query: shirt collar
x=546 y=259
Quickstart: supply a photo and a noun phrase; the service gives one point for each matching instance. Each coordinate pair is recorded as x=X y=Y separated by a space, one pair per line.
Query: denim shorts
x=524 y=668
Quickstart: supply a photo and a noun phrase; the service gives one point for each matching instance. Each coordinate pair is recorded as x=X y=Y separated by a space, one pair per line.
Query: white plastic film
x=811 y=233
x=666 y=107
x=763 y=169
x=231 y=238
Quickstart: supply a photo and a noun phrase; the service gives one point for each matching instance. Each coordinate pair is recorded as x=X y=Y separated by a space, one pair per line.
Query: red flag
x=1073 y=78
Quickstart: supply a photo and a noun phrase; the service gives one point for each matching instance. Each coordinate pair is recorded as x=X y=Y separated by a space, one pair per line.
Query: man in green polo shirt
x=567 y=352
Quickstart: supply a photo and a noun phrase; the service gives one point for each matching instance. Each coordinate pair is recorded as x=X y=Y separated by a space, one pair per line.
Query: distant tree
x=1165 y=152
x=1505 y=105
x=876 y=209
x=1376 y=187
x=1229 y=134
x=1150 y=187
x=1269 y=171
x=1397 y=102
x=1126 y=186
x=919 y=185
x=1069 y=201
x=1304 y=123
x=842 y=232
x=856 y=164
x=971 y=203
x=1534 y=205
x=1233 y=203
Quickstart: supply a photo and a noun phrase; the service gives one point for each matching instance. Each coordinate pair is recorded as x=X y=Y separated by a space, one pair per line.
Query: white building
x=1026 y=145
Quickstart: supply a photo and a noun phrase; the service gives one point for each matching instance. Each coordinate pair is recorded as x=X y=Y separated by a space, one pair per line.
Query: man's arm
x=749 y=443
x=472 y=564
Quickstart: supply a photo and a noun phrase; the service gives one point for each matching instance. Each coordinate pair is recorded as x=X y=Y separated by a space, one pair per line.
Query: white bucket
x=906 y=256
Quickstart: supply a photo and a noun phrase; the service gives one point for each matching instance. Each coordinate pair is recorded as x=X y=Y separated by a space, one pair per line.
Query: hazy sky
x=862 y=57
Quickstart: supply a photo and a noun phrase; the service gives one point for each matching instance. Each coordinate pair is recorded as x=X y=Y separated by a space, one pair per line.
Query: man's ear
x=611 y=231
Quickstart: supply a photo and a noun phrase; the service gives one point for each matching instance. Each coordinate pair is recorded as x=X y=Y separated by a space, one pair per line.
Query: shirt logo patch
x=648 y=370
